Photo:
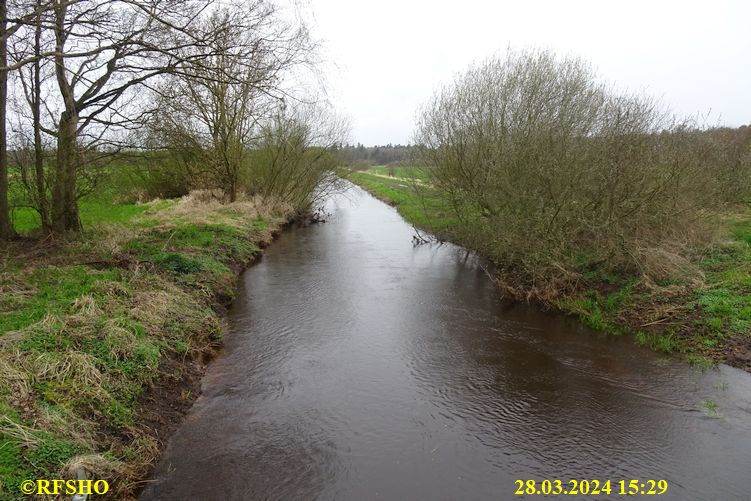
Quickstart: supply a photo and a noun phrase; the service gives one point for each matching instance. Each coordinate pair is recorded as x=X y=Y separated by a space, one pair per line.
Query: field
x=400 y=172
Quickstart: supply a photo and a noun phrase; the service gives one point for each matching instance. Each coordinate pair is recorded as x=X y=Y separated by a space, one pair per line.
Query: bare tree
x=214 y=108
x=6 y=228
x=103 y=51
x=222 y=71
x=29 y=152
x=12 y=18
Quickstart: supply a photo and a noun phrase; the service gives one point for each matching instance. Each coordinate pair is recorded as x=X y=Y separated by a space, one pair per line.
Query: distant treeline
x=360 y=156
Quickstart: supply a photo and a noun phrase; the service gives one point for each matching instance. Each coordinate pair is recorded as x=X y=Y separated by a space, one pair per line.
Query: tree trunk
x=233 y=188
x=36 y=111
x=64 y=205
x=6 y=228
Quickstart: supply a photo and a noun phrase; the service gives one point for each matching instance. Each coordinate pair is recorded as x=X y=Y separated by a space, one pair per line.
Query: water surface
x=357 y=366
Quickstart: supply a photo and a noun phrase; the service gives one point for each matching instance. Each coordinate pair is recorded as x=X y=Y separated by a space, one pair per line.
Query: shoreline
x=129 y=317
x=164 y=405
x=598 y=305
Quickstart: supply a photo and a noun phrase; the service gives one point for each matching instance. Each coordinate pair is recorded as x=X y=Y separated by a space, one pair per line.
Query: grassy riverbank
x=424 y=210
x=705 y=320
x=103 y=338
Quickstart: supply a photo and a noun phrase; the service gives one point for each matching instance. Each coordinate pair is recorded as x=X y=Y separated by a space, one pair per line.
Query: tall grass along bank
x=103 y=338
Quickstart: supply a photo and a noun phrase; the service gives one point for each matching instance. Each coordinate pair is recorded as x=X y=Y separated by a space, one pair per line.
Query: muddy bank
x=166 y=402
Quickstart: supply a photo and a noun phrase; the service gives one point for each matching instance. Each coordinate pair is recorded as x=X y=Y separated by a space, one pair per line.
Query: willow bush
x=293 y=158
x=287 y=156
x=553 y=173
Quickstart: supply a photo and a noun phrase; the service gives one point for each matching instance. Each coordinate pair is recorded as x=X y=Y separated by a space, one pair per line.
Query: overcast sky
x=388 y=56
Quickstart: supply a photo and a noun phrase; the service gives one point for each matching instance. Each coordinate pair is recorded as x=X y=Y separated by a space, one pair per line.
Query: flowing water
x=359 y=367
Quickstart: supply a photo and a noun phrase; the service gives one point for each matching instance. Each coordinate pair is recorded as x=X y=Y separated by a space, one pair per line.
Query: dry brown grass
x=25 y=435
x=661 y=264
x=99 y=467
x=207 y=207
x=157 y=304
x=73 y=367
x=13 y=285
x=109 y=239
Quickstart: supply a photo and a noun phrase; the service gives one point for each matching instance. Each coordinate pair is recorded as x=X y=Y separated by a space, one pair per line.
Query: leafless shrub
x=233 y=122
x=293 y=160
x=552 y=173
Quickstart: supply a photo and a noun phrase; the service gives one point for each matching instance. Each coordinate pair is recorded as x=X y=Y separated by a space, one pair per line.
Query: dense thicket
x=552 y=172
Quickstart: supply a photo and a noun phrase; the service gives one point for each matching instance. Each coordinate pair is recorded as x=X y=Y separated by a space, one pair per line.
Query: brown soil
x=738 y=353
x=163 y=407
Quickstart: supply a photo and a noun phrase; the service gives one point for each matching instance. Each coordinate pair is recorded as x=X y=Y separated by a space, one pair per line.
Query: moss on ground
x=89 y=326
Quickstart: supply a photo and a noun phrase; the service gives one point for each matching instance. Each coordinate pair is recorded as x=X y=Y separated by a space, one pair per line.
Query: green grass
x=91 y=212
x=707 y=318
x=665 y=343
x=403 y=172
x=47 y=290
x=590 y=310
x=600 y=311
x=711 y=407
x=424 y=209
x=721 y=310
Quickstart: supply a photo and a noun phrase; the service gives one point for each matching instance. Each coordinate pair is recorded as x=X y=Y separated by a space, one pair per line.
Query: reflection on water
x=359 y=367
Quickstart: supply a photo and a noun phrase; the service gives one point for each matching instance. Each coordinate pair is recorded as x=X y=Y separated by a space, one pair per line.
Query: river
x=359 y=367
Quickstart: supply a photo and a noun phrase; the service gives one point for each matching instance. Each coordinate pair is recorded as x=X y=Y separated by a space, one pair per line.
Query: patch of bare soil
x=737 y=353
x=163 y=406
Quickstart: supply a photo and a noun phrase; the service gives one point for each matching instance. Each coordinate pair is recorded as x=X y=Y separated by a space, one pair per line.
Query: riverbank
x=103 y=339
x=705 y=320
